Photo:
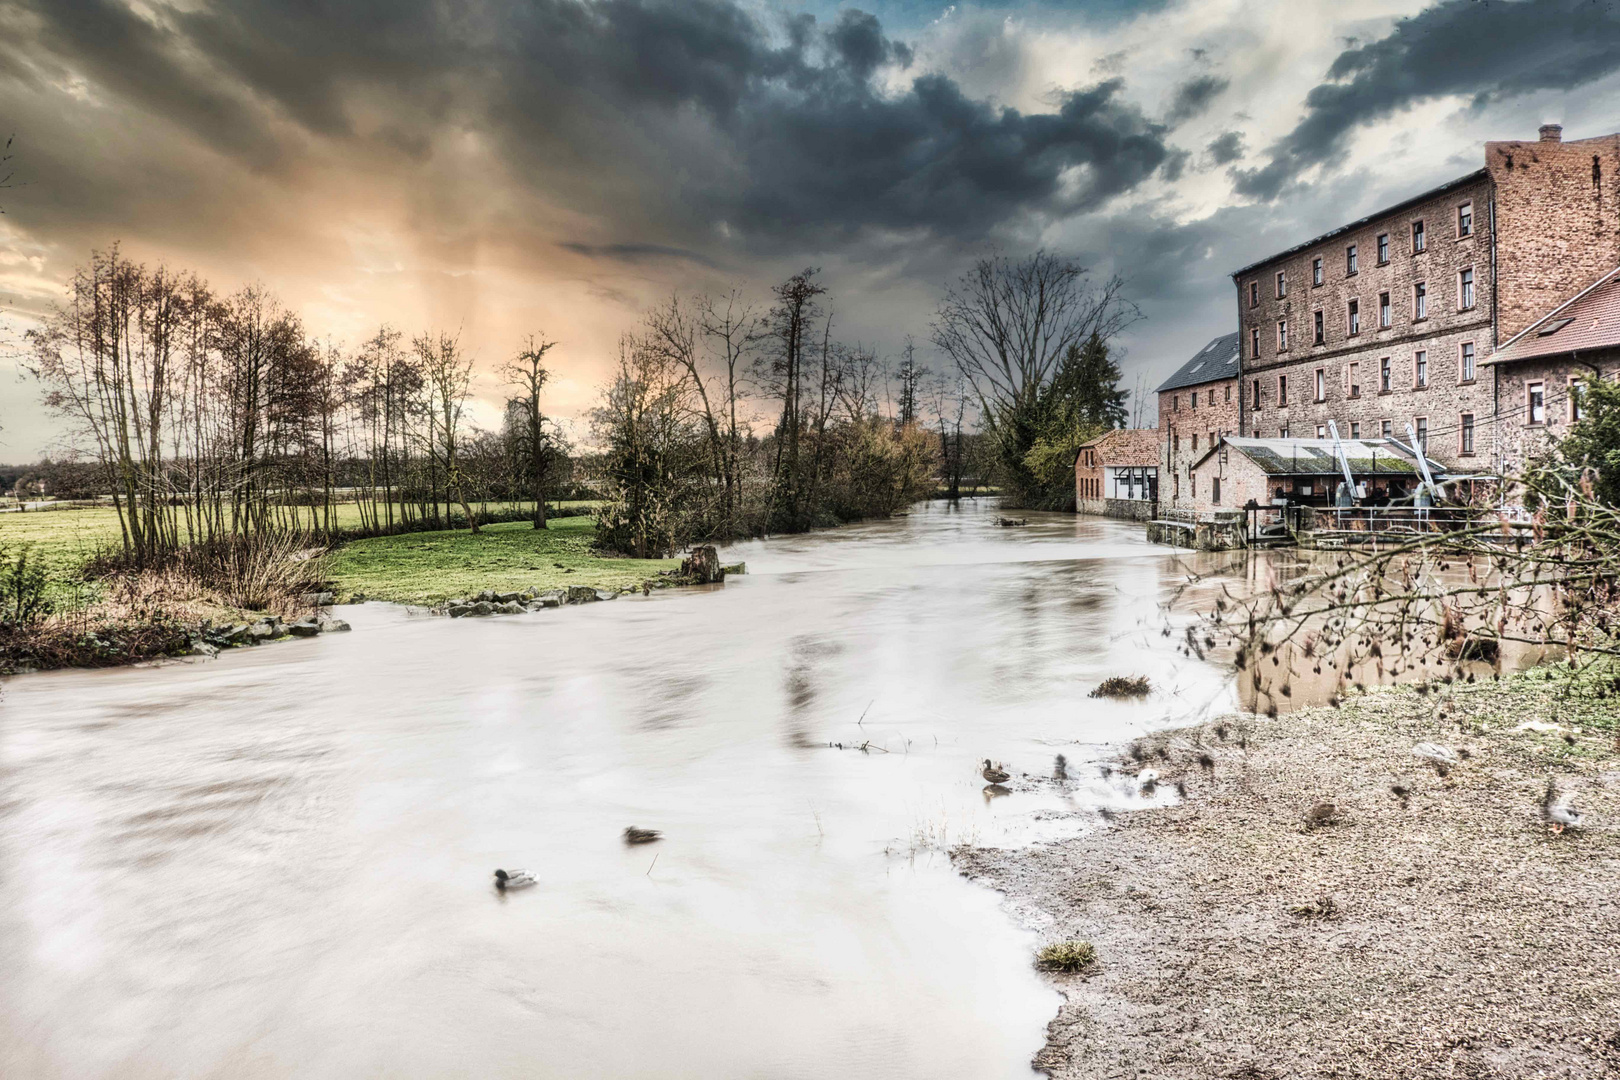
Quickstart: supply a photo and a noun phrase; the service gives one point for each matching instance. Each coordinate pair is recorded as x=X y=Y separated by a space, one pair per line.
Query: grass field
x=434 y=566
x=411 y=567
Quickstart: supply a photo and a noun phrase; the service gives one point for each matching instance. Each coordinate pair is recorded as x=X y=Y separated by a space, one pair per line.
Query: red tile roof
x=1589 y=320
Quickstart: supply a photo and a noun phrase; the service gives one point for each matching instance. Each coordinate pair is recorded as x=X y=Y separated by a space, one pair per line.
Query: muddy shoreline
x=1440 y=932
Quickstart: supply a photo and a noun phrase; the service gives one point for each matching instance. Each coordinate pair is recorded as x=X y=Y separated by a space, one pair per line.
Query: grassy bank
x=1430 y=925
x=430 y=567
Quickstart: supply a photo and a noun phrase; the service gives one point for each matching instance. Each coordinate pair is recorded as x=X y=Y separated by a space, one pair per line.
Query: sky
x=559 y=166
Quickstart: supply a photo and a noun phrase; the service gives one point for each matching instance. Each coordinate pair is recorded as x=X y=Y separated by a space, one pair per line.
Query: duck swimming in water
x=995 y=774
x=633 y=835
x=513 y=879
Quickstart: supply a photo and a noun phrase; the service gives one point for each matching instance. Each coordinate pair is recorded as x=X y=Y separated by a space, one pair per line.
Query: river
x=278 y=862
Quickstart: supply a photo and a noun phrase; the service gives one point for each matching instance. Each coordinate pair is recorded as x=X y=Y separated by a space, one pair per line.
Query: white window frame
x=1535 y=401
x=1465 y=288
x=1465 y=434
x=1420 y=369
x=1465 y=219
x=1420 y=237
x=1466 y=361
x=1420 y=300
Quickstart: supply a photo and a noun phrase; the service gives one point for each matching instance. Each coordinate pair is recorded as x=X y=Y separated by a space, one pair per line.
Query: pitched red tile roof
x=1588 y=320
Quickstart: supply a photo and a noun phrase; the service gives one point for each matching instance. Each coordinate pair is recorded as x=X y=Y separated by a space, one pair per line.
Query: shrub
x=1067 y=956
x=1123 y=686
x=22 y=588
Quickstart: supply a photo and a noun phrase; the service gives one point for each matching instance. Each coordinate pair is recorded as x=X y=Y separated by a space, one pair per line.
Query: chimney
x=1552 y=133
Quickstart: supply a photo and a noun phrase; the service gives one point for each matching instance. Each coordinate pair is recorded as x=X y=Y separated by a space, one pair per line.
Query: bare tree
x=448 y=374
x=527 y=371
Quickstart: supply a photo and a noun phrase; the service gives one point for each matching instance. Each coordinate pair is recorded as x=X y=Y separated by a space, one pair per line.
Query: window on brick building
x=1420 y=301
x=1465 y=289
x=1254 y=294
x=1282 y=390
x=1355 y=429
x=1350 y=259
x=1385 y=376
x=1419 y=239
x=1175 y=444
x=1211 y=440
x=1353 y=317
x=1316 y=270
x=1195 y=401
x=1465 y=219
x=1352 y=380
x=1321 y=431
x=1385 y=428
x=1423 y=433
x=1282 y=432
x=1383 y=248
x=1282 y=285
x=1465 y=442
x=1257 y=395
x=1577 y=390
x=1321 y=384
x=1228 y=389
x=1466 y=364
x=1195 y=442
x=1320 y=333
x=1175 y=403
x=1282 y=335
x=1215 y=490
x=1535 y=402
x=1384 y=309
x=1420 y=369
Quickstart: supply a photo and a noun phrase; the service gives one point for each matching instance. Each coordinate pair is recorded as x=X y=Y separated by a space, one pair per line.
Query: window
x=1350 y=259
x=1320 y=333
x=1282 y=391
x=1211 y=442
x=1282 y=432
x=1215 y=489
x=1419 y=239
x=1282 y=335
x=1465 y=219
x=1420 y=301
x=1175 y=444
x=1316 y=270
x=1383 y=248
x=1355 y=429
x=1195 y=442
x=1383 y=309
x=1385 y=376
x=1420 y=369
x=1282 y=285
x=1175 y=403
x=1254 y=294
x=1385 y=428
x=1228 y=389
x=1423 y=433
x=1465 y=443
x=1254 y=342
x=1195 y=401
x=1577 y=389
x=1321 y=384
x=1465 y=289
x=1466 y=364
x=1536 y=402
x=1353 y=319
x=1257 y=395
x=1352 y=380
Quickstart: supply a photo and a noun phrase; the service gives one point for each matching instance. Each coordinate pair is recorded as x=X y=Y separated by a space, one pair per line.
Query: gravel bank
x=1462 y=938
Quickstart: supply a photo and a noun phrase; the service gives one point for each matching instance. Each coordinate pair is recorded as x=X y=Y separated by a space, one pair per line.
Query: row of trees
x=217 y=417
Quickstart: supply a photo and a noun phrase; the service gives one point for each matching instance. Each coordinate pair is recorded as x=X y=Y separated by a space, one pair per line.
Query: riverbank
x=1436 y=930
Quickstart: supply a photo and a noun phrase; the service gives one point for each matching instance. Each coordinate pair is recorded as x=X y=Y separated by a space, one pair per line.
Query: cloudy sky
x=558 y=165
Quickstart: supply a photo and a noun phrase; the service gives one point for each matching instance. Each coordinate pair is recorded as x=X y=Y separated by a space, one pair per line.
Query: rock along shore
x=1432 y=926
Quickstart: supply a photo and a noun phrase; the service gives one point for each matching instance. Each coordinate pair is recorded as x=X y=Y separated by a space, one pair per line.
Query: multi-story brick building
x=1197 y=405
x=1117 y=475
x=1387 y=322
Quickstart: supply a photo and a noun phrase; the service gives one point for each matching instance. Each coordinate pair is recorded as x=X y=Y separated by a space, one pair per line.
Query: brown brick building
x=1197 y=405
x=1117 y=475
x=1389 y=321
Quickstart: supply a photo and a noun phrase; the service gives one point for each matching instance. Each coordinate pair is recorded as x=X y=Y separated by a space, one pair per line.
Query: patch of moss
x=1068 y=956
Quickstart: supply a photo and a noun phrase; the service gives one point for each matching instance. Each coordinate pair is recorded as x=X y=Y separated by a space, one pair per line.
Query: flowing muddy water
x=278 y=862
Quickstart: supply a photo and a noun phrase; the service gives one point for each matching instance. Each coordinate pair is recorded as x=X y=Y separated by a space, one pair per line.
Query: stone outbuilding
x=1298 y=472
x=1198 y=405
x=1117 y=475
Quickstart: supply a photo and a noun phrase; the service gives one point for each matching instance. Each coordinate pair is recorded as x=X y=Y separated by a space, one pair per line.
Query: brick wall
x=1438 y=330
x=1557 y=222
x=1125 y=446
x=1518 y=436
x=1185 y=430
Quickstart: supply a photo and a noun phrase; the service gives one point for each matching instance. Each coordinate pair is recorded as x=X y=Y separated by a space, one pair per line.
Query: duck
x=994 y=773
x=633 y=835
x=1323 y=813
x=513 y=879
x=1558 y=811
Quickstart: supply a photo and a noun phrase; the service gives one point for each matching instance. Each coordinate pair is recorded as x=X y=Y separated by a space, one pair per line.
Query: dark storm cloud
x=635 y=253
x=1194 y=96
x=1487 y=51
x=686 y=116
x=1225 y=148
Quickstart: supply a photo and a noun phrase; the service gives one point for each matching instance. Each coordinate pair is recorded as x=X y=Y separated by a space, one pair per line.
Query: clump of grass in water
x=1067 y=956
x=1323 y=907
x=1123 y=686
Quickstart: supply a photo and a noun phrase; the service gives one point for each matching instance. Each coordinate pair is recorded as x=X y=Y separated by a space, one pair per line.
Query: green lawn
x=412 y=567
x=433 y=566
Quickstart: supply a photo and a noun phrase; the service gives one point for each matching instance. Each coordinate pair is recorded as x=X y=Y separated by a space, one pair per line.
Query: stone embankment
x=490 y=602
x=208 y=640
